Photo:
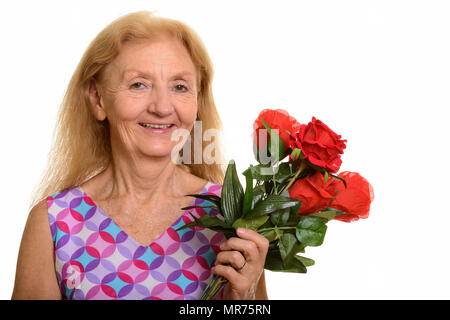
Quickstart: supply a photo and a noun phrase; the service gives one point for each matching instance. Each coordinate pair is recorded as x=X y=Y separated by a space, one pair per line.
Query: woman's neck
x=142 y=181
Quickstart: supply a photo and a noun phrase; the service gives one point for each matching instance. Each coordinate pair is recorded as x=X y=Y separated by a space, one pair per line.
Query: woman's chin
x=158 y=152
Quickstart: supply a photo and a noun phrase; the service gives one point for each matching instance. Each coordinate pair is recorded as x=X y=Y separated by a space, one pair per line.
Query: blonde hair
x=81 y=144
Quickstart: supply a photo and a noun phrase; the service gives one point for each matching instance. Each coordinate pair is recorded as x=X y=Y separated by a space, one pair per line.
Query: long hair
x=81 y=146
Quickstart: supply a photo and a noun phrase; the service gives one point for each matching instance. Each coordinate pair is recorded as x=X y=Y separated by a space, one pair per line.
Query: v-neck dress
x=96 y=259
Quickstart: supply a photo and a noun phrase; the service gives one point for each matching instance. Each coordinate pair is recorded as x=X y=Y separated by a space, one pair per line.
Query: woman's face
x=149 y=91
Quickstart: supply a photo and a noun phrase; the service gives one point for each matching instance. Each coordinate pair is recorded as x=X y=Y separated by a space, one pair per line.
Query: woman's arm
x=261 y=292
x=35 y=273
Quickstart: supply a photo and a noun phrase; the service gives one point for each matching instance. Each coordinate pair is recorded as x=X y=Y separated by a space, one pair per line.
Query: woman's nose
x=160 y=102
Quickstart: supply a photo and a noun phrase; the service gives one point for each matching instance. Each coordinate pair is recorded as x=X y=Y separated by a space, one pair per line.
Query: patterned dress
x=96 y=259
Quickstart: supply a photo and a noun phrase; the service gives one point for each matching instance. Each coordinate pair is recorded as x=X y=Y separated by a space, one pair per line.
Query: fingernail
x=240 y=230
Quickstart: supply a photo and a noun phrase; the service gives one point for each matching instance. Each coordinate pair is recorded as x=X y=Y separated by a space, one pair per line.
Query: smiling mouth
x=156 y=126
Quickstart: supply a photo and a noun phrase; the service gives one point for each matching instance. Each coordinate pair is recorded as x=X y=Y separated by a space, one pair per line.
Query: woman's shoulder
x=64 y=196
x=36 y=257
x=194 y=184
x=61 y=201
x=39 y=210
x=205 y=186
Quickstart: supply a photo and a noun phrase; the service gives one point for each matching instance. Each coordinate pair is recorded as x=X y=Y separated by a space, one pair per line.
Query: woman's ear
x=96 y=100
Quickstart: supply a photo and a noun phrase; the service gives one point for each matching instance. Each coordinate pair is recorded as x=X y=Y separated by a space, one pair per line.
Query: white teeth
x=155 y=126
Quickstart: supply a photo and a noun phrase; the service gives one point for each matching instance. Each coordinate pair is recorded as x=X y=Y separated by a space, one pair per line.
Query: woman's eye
x=136 y=85
x=180 y=87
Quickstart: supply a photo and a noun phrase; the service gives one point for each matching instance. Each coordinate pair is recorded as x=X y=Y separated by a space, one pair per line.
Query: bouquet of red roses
x=290 y=195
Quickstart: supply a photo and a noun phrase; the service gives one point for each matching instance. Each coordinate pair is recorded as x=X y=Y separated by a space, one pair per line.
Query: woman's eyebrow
x=177 y=75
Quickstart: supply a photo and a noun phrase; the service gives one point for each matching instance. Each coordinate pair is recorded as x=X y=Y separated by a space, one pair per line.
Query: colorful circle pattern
x=96 y=259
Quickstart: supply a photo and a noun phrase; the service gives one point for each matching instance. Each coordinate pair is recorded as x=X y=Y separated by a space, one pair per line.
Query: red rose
x=294 y=141
x=355 y=199
x=320 y=145
x=314 y=194
x=276 y=119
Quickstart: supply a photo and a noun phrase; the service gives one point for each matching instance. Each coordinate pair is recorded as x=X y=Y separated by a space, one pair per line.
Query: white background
x=377 y=72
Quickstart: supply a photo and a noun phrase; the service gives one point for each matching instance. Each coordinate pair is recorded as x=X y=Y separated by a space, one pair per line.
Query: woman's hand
x=241 y=261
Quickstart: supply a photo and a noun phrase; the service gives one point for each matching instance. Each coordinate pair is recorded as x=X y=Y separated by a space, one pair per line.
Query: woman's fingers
x=261 y=242
x=250 y=243
x=241 y=262
x=233 y=258
x=236 y=279
x=246 y=247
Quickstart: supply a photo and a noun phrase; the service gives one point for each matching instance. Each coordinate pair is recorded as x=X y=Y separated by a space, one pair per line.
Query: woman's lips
x=158 y=130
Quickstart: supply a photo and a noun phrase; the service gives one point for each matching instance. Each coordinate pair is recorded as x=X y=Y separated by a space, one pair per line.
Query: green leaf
x=317 y=168
x=296 y=154
x=262 y=172
x=306 y=261
x=267 y=225
x=327 y=214
x=335 y=210
x=292 y=220
x=211 y=222
x=232 y=195
x=294 y=209
x=271 y=204
x=325 y=179
x=258 y=193
x=248 y=195
x=206 y=221
x=287 y=243
x=252 y=224
x=311 y=230
x=202 y=207
x=275 y=263
x=269 y=235
x=284 y=172
x=255 y=150
x=280 y=217
x=339 y=178
x=208 y=197
x=299 y=247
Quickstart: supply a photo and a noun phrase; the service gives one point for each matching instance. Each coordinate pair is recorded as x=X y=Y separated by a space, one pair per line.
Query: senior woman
x=103 y=223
